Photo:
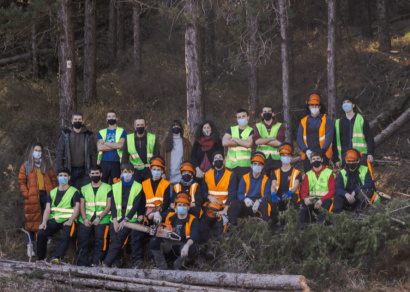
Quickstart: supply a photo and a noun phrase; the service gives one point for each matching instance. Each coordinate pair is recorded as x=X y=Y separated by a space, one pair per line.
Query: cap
x=258 y=157
x=183 y=198
x=157 y=161
x=286 y=148
x=313 y=99
x=352 y=155
x=187 y=166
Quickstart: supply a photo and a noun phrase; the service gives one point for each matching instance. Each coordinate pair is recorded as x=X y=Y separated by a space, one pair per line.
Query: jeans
x=32 y=237
x=79 y=178
x=110 y=170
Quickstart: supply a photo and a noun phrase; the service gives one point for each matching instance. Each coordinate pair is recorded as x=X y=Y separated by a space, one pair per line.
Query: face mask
x=182 y=210
x=62 y=180
x=314 y=111
x=36 y=154
x=316 y=163
x=156 y=174
x=186 y=177
x=77 y=125
x=256 y=168
x=285 y=160
x=140 y=130
x=347 y=107
x=219 y=163
x=207 y=132
x=352 y=166
x=242 y=122
x=176 y=130
x=127 y=176
x=95 y=178
x=267 y=116
x=112 y=122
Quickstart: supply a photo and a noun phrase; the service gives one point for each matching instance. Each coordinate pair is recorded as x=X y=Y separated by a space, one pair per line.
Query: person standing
x=352 y=131
x=36 y=179
x=76 y=150
x=139 y=148
x=268 y=135
x=239 y=141
x=315 y=132
x=207 y=142
x=110 y=143
x=175 y=149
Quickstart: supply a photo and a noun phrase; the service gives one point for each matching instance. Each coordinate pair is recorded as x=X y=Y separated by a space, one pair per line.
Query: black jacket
x=198 y=155
x=63 y=150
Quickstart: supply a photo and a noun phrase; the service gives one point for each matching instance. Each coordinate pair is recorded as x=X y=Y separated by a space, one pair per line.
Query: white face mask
x=242 y=122
x=36 y=154
x=314 y=111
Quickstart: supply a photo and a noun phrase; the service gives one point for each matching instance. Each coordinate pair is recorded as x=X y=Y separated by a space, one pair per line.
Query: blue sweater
x=254 y=188
x=353 y=183
x=218 y=174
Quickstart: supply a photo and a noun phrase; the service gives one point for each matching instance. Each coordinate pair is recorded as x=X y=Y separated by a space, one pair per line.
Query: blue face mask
x=242 y=122
x=156 y=174
x=347 y=107
x=62 y=180
x=127 y=176
x=182 y=210
x=256 y=168
x=285 y=160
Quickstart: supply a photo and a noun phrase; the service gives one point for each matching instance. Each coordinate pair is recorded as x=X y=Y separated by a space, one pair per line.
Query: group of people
x=112 y=186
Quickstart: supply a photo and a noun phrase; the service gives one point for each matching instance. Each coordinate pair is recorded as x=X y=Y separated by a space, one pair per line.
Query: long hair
x=322 y=106
x=169 y=143
x=44 y=166
x=215 y=134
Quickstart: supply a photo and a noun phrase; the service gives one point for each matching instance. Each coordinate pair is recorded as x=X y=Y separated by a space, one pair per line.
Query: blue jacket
x=341 y=190
x=217 y=176
x=254 y=188
x=315 y=123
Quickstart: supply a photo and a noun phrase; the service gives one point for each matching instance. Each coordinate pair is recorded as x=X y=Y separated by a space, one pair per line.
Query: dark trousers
x=63 y=240
x=100 y=247
x=172 y=246
x=304 y=210
x=238 y=209
x=341 y=203
x=141 y=175
x=281 y=206
x=79 y=177
x=363 y=160
x=110 y=170
x=271 y=165
x=138 y=240
x=43 y=200
x=239 y=172
x=308 y=166
x=205 y=225
x=118 y=241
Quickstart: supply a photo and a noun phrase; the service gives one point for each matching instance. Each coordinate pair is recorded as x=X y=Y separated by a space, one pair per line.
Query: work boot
x=30 y=251
x=210 y=256
x=180 y=262
x=160 y=259
x=201 y=259
x=137 y=264
x=55 y=261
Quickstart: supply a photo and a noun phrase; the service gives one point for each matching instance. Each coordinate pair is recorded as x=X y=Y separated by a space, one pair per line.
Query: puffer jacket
x=29 y=189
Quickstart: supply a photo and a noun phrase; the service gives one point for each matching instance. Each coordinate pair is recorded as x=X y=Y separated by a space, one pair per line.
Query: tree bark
x=34 y=50
x=193 y=64
x=392 y=128
x=289 y=35
x=365 y=21
x=345 y=12
x=112 y=30
x=209 y=46
x=331 y=59
x=66 y=54
x=136 y=12
x=384 y=37
x=252 y=60
x=121 y=25
x=285 y=69
x=90 y=50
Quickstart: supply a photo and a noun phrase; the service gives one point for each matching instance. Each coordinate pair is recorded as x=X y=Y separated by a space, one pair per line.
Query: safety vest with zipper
x=63 y=211
x=322 y=136
x=319 y=187
x=239 y=155
x=266 y=149
x=118 y=134
x=117 y=194
x=134 y=157
x=95 y=204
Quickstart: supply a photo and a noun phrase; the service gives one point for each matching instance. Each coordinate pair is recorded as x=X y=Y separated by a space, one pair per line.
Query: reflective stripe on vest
x=117 y=194
x=292 y=181
x=322 y=136
x=319 y=187
x=157 y=199
x=219 y=191
x=239 y=155
x=63 y=211
x=192 y=190
x=187 y=224
x=263 y=132
x=95 y=204
x=134 y=157
x=118 y=134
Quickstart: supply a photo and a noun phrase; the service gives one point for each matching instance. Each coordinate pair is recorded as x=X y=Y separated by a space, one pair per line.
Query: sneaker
x=137 y=264
x=55 y=261
x=30 y=251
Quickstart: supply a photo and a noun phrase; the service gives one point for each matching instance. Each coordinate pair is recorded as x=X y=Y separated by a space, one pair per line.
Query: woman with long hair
x=36 y=180
x=207 y=141
x=175 y=149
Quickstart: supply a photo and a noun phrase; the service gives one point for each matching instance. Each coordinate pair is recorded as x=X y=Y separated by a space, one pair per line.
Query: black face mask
x=186 y=177
x=95 y=178
x=176 y=130
x=267 y=116
x=140 y=130
x=112 y=122
x=77 y=125
x=352 y=166
x=219 y=163
x=316 y=163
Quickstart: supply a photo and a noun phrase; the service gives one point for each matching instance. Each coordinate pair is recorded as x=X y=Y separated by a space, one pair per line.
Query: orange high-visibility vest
x=322 y=136
x=292 y=182
x=219 y=191
x=156 y=200
x=247 y=179
x=187 y=225
x=192 y=190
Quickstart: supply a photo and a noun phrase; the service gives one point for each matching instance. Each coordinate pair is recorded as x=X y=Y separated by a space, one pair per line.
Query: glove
x=248 y=202
x=157 y=217
x=225 y=220
x=213 y=200
x=287 y=196
x=184 y=251
x=308 y=153
x=275 y=197
x=255 y=206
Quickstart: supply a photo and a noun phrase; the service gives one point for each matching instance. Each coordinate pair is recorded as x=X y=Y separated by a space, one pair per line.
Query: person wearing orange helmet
x=315 y=132
x=353 y=183
x=186 y=226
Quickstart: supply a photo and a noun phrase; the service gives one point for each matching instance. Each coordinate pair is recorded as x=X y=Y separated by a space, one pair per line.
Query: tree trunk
x=285 y=68
x=112 y=33
x=66 y=55
x=345 y=12
x=136 y=12
x=384 y=37
x=121 y=25
x=209 y=46
x=392 y=128
x=289 y=36
x=365 y=21
x=252 y=59
x=34 y=50
x=90 y=50
x=193 y=64
x=331 y=59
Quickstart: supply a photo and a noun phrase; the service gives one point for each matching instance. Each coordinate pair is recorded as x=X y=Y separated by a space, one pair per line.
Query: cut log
x=392 y=128
x=14 y=59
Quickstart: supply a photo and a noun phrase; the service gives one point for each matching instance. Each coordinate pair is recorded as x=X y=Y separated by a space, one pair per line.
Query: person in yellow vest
x=317 y=190
x=62 y=209
x=218 y=191
x=189 y=186
x=352 y=131
x=253 y=193
x=125 y=202
x=285 y=184
x=95 y=204
x=353 y=183
x=268 y=135
x=239 y=141
x=315 y=132
x=187 y=227
x=139 y=148
x=110 y=143
x=155 y=202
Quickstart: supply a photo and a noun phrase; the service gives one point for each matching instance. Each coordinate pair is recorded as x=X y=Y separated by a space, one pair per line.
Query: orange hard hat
x=157 y=161
x=286 y=148
x=352 y=155
x=258 y=157
x=183 y=198
x=314 y=99
x=186 y=165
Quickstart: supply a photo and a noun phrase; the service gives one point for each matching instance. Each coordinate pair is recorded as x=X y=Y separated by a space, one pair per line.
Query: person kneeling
x=254 y=190
x=187 y=227
x=318 y=189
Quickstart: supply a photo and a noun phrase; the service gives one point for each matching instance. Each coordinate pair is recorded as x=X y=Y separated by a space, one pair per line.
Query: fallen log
x=392 y=128
x=14 y=58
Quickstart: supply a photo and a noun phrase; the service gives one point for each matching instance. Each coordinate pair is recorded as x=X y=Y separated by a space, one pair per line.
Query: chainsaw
x=158 y=230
